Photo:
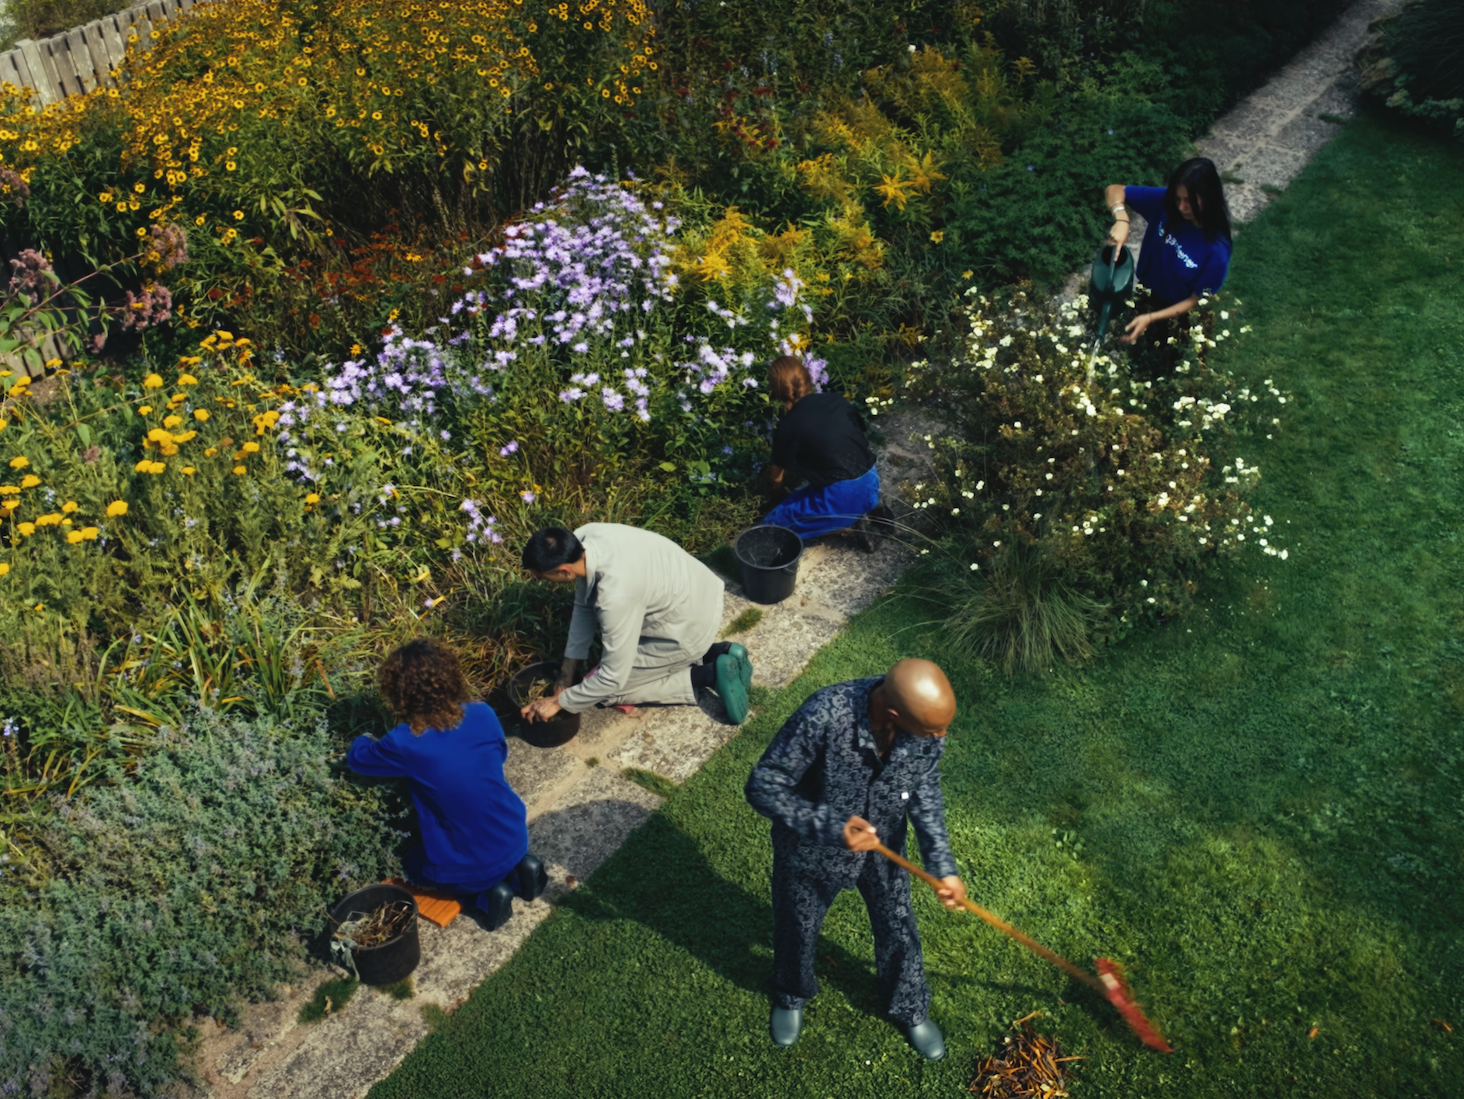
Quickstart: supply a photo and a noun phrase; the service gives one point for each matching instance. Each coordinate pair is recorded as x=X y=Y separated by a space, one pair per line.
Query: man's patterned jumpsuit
x=821 y=769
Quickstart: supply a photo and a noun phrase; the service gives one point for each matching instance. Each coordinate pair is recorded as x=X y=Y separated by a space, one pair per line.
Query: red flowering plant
x=1099 y=485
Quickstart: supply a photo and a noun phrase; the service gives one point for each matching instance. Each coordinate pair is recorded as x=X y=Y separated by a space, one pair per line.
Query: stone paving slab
x=581 y=807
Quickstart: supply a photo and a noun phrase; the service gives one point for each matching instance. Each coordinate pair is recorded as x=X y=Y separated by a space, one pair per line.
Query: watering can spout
x=1112 y=279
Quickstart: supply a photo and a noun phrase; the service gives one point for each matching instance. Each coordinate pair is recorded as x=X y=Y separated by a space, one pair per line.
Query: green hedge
x=187 y=887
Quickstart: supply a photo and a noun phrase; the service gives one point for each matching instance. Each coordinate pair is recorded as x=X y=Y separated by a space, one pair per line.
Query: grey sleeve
x=581 y=626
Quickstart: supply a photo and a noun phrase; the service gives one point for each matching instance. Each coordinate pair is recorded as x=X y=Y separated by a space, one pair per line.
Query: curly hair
x=424 y=685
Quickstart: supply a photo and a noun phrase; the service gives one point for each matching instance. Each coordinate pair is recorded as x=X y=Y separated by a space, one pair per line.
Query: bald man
x=848 y=769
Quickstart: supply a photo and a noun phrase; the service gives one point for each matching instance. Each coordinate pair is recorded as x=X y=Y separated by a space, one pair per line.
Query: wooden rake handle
x=1000 y=924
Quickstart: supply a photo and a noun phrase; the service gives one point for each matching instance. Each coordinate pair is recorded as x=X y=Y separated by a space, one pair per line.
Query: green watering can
x=1112 y=281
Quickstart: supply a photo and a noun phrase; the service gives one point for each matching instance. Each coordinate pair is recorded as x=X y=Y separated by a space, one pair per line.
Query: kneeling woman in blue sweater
x=475 y=834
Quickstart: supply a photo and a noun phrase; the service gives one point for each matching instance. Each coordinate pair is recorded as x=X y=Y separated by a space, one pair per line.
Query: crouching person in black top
x=821 y=437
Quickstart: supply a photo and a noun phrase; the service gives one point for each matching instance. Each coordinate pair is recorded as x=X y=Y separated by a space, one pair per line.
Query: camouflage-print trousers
x=806 y=880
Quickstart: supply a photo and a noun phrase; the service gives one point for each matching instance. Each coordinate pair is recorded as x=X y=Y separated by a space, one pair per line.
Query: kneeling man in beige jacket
x=658 y=610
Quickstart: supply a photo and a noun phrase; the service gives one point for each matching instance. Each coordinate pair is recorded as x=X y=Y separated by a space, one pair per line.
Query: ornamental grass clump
x=1072 y=511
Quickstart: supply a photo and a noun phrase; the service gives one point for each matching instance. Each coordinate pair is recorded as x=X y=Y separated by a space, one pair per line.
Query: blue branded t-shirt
x=474 y=827
x=1175 y=261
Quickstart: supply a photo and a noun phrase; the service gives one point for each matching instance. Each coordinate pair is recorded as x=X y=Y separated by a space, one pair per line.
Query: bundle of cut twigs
x=1028 y=1066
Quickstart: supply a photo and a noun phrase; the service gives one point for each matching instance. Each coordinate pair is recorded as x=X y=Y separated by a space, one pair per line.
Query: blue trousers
x=809 y=512
x=477 y=893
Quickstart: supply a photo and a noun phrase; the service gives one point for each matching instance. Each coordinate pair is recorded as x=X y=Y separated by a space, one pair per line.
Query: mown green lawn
x=1259 y=808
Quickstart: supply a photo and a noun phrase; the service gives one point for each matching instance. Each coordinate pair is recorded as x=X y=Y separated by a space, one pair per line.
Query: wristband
x=1116 y=209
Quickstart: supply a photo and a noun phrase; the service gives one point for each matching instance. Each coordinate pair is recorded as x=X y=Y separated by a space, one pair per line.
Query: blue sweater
x=474 y=827
x=1175 y=260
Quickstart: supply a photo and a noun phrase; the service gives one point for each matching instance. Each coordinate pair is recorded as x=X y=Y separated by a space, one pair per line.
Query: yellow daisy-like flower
x=51 y=520
x=240 y=471
x=201 y=415
x=188 y=471
x=172 y=421
x=20 y=461
x=210 y=452
x=312 y=497
x=26 y=529
x=89 y=534
x=152 y=381
x=4 y=569
x=144 y=409
x=70 y=506
x=73 y=537
x=250 y=448
x=937 y=236
x=156 y=467
x=116 y=508
x=30 y=480
x=139 y=187
x=187 y=379
x=238 y=215
x=141 y=466
x=105 y=196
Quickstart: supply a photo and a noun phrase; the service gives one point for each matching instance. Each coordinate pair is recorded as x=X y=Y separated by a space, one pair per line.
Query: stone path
x=581 y=808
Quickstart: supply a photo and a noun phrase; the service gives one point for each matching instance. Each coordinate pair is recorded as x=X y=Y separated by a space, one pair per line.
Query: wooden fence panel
x=80 y=58
x=8 y=72
x=114 y=38
x=37 y=76
x=97 y=48
x=48 y=61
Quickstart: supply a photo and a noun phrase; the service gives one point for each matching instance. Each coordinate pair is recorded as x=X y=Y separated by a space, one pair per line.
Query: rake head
x=1116 y=988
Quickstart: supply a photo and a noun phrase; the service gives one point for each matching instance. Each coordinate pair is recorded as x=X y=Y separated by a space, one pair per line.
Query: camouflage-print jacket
x=823 y=768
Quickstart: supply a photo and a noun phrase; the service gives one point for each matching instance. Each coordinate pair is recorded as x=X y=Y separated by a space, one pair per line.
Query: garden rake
x=1109 y=983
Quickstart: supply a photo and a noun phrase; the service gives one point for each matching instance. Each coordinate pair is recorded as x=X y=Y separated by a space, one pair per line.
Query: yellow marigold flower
x=116 y=508
x=201 y=415
x=9 y=490
x=8 y=506
x=210 y=452
x=156 y=467
x=90 y=533
x=240 y=470
x=152 y=381
x=167 y=450
x=172 y=421
x=188 y=471
x=141 y=466
x=20 y=461
x=51 y=520
x=26 y=529
x=186 y=437
x=158 y=435
x=144 y=409
x=73 y=537
x=30 y=480
x=4 y=569
x=70 y=506
x=250 y=447
x=312 y=497
x=187 y=379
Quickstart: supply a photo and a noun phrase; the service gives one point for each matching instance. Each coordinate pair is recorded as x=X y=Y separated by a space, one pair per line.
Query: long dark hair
x=1207 y=197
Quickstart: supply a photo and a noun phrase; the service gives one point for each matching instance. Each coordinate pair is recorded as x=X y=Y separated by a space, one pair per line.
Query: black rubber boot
x=499 y=908
x=532 y=877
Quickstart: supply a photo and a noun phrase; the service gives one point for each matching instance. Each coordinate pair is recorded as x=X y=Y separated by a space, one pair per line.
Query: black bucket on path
x=392 y=960
x=769 y=559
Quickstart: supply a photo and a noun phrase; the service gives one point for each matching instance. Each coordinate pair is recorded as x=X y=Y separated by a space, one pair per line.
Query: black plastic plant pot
x=769 y=559
x=541 y=734
x=392 y=960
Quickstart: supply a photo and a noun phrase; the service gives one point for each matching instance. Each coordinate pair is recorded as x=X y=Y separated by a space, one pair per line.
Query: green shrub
x=1421 y=72
x=190 y=885
x=43 y=18
x=1114 y=489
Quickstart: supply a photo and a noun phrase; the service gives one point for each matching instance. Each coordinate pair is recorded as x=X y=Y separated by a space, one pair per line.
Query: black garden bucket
x=561 y=729
x=769 y=558
x=392 y=960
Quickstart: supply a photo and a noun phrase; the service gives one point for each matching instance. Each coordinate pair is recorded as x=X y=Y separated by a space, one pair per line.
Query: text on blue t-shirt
x=1175 y=261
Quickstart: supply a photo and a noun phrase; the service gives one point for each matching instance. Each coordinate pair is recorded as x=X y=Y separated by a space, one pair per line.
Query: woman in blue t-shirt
x=475 y=834
x=1186 y=248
